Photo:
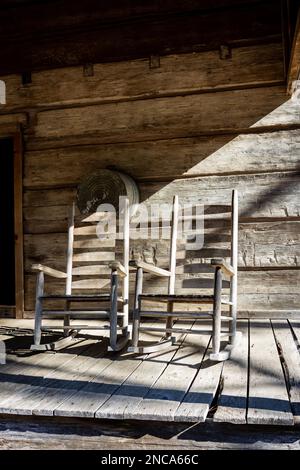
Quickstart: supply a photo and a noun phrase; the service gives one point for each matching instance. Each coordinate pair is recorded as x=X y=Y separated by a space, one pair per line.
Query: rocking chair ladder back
x=95 y=259
x=220 y=268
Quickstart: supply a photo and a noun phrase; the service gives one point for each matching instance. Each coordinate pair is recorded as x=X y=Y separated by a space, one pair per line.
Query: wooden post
x=18 y=224
x=70 y=250
x=38 y=308
x=173 y=246
x=172 y=261
x=126 y=263
x=234 y=263
x=217 y=312
x=136 y=308
x=114 y=310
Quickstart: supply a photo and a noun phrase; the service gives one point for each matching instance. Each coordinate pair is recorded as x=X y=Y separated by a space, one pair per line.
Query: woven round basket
x=105 y=187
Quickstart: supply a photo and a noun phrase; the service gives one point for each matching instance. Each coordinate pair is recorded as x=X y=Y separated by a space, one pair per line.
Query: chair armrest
x=149 y=268
x=117 y=266
x=48 y=271
x=226 y=268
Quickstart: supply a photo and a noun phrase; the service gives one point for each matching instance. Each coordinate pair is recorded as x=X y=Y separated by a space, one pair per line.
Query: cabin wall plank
x=176 y=116
x=135 y=79
x=166 y=159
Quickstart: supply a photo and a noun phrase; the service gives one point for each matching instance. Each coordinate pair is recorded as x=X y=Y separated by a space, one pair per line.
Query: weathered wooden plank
x=166 y=159
x=94 y=243
x=78 y=434
x=232 y=402
x=196 y=403
x=94 y=256
x=169 y=117
x=101 y=385
x=92 y=284
x=166 y=394
x=258 y=247
x=22 y=373
x=268 y=397
x=134 y=79
x=98 y=390
x=291 y=357
x=93 y=270
x=52 y=387
x=296 y=330
x=122 y=404
x=12 y=120
x=277 y=192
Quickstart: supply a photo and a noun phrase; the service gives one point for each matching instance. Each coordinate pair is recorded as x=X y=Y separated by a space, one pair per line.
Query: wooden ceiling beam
x=294 y=66
x=90 y=42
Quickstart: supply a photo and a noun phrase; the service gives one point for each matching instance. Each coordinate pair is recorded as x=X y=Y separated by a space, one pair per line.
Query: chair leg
x=136 y=309
x=216 y=339
x=170 y=321
x=67 y=320
x=233 y=309
x=113 y=310
x=38 y=309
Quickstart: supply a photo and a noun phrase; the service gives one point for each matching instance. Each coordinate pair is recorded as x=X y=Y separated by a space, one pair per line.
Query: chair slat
x=91 y=270
x=94 y=256
x=90 y=284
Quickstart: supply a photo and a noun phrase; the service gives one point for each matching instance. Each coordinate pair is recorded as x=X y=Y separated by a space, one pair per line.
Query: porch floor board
x=259 y=384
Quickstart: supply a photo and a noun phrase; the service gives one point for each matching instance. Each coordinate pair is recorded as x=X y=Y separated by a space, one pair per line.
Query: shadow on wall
x=262 y=163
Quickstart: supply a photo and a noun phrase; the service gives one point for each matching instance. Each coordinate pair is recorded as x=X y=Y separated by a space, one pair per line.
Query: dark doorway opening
x=7 y=244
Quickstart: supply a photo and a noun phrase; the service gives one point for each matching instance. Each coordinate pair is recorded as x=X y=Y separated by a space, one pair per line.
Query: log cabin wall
x=196 y=124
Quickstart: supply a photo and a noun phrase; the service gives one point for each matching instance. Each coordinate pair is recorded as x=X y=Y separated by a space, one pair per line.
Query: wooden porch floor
x=260 y=384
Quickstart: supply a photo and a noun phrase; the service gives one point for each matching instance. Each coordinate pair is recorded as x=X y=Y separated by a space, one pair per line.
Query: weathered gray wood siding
x=197 y=126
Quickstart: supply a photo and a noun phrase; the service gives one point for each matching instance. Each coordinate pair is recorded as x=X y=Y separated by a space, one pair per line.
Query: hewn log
x=131 y=80
x=169 y=117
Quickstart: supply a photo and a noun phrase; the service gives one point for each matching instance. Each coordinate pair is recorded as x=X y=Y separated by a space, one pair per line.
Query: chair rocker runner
x=220 y=267
x=87 y=258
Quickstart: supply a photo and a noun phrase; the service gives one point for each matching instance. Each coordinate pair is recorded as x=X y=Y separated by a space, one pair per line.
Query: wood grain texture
x=261 y=244
x=19 y=374
x=276 y=192
x=166 y=159
x=55 y=384
x=262 y=195
x=232 y=402
x=196 y=403
x=166 y=394
x=128 y=80
x=84 y=380
x=167 y=117
x=268 y=398
x=291 y=363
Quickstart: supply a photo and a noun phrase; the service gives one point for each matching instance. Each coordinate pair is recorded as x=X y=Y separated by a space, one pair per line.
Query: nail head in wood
x=154 y=62
x=225 y=52
x=88 y=70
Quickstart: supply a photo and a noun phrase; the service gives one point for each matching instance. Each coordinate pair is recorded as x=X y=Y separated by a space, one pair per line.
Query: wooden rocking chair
x=220 y=268
x=96 y=269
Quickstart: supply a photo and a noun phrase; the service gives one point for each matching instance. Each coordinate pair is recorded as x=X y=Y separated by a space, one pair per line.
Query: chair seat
x=178 y=298
x=81 y=298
